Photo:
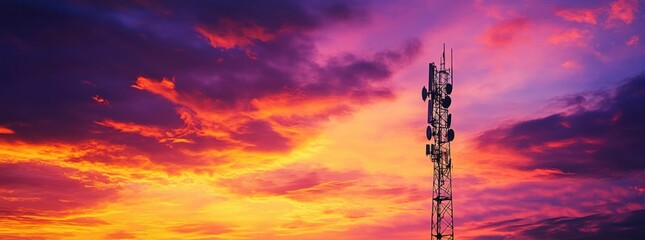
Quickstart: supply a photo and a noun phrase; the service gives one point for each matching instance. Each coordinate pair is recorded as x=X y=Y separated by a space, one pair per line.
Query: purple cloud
x=56 y=86
x=602 y=141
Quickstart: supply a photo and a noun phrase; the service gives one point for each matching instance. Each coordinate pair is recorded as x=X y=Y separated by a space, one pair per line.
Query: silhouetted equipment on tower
x=439 y=132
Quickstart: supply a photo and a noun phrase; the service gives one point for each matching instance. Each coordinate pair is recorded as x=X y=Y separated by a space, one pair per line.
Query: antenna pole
x=440 y=134
x=452 y=69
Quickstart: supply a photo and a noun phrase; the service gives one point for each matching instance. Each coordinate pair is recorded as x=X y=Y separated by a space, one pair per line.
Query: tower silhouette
x=439 y=133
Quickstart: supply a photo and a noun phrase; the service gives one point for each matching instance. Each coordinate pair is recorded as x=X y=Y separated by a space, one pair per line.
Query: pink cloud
x=623 y=10
x=577 y=15
x=571 y=36
x=633 y=41
x=571 y=64
x=504 y=33
x=294 y=181
x=31 y=189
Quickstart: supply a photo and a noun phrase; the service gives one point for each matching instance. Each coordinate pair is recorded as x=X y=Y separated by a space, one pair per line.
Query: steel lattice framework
x=439 y=133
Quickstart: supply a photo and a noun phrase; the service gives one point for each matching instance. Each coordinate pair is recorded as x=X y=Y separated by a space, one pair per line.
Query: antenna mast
x=439 y=133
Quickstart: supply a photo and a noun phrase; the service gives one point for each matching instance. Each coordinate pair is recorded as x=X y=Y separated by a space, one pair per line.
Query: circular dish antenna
x=448 y=88
x=446 y=102
x=429 y=132
x=450 y=135
x=424 y=93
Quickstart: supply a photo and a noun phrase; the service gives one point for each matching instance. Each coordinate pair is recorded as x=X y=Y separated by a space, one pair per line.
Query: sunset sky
x=303 y=119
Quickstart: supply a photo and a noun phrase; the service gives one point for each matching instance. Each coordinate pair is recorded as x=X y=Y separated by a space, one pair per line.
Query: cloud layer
x=596 y=141
x=301 y=120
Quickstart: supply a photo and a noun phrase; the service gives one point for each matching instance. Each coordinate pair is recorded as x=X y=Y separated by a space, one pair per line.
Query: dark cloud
x=630 y=225
x=605 y=140
x=261 y=136
x=58 y=56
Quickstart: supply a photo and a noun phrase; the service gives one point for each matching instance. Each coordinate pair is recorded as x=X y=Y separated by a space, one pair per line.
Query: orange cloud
x=142 y=130
x=289 y=105
x=291 y=114
x=219 y=119
x=202 y=228
x=168 y=136
x=504 y=33
x=230 y=34
x=568 y=142
x=623 y=10
x=577 y=15
x=100 y=100
x=165 y=87
x=85 y=156
x=120 y=235
x=6 y=130
x=203 y=107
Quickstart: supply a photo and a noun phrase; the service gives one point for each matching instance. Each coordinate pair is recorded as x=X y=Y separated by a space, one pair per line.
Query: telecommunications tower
x=439 y=134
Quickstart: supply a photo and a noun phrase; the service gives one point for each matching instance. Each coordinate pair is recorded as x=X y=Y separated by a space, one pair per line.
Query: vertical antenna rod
x=440 y=134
